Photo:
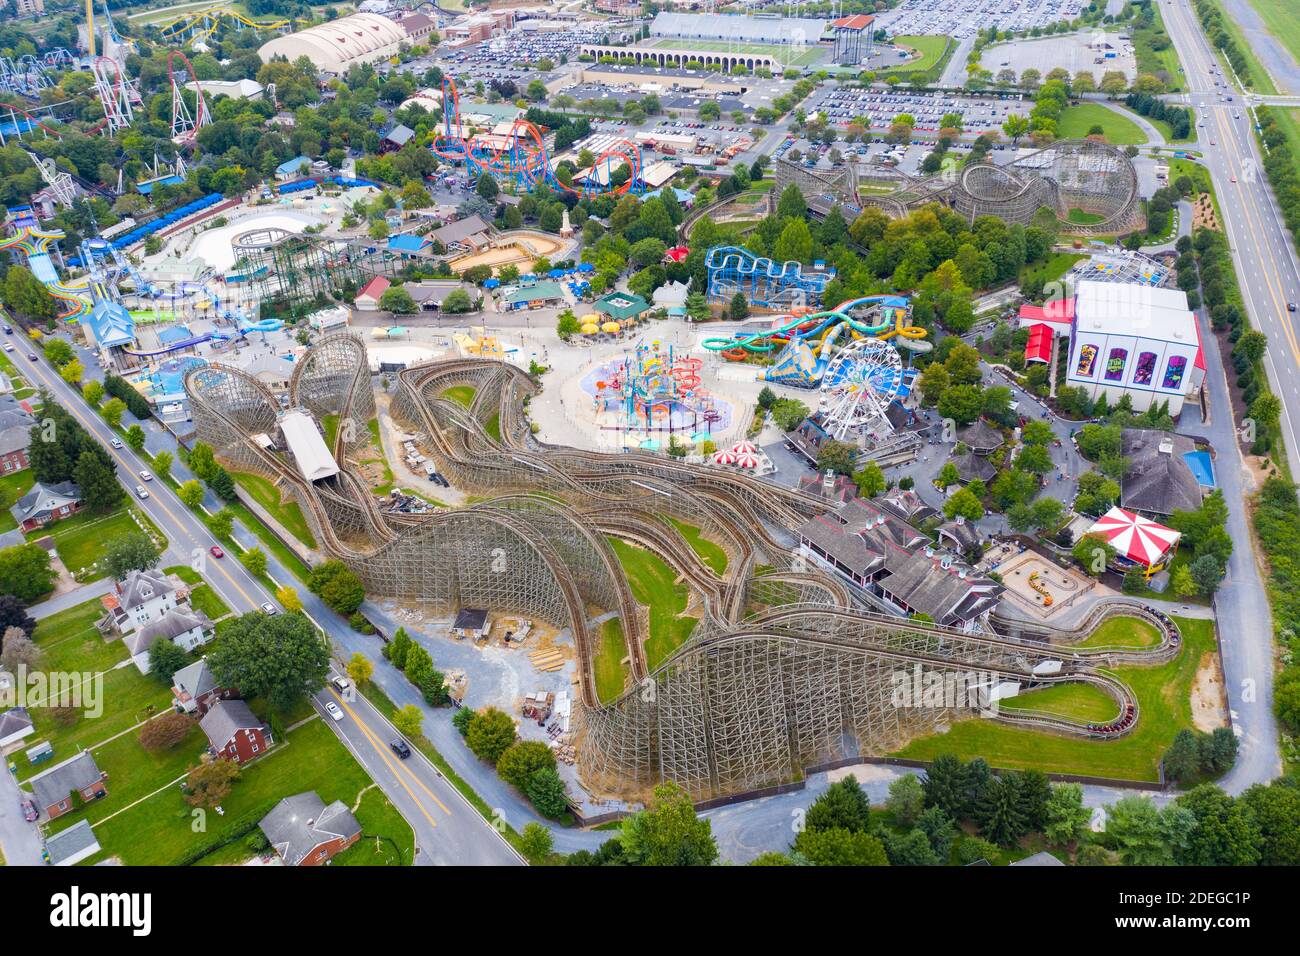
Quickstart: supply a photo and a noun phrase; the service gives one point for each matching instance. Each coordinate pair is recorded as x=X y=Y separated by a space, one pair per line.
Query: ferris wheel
x=860 y=382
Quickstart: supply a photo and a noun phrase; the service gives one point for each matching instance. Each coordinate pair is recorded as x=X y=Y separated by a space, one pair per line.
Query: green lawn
x=709 y=552
x=653 y=584
x=460 y=393
x=1081 y=218
x=1052 y=268
x=931 y=48
x=1151 y=60
x=1119 y=130
x=493 y=427
x=202 y=596
x=1254 y=75
x=82 y=539
x=1077 y=701
x=1280 y=18
x=608 y=667
x=13 y=487
x=288 y=513
x=159 y=831
x=1123 y=632
x=1164 y=694
x=71 y=643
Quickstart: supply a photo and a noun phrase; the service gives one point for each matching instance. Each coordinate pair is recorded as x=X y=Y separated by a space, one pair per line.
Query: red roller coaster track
x=183 y=126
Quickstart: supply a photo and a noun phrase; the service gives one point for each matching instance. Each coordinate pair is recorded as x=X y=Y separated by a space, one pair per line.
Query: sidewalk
x=87 y=592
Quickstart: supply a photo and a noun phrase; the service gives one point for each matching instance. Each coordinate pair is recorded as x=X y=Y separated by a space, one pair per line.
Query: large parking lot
x=964 y=18
x=981 y=114
x=521 y=46
x=1098 y=53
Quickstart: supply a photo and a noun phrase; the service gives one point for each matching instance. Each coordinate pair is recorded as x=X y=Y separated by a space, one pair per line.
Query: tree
x=255 y=560
x=906 y=800
x=457 y=302
x=1276 y=811
x=165 y=731
x=1206 y=573
x=25 y=573
x=870 y=480
x=112 y=410
x=567 y=325
x=191 y=493
x=548 y=794
x=223 y=485
x=100 y=490
x=135 y=437
x=668 y=833
x=58 y=352
x=1225 y=833
x=840 y=848
x=844 y=806
x=72 y=372
x=132 y=551
x=409 y=721
x=739 y=307
x=909 y=849
x=276 y=656
x=221 y=524
x=209 y=783
x=1094 y=553
x=18 y=651
x=360 y=669
x=93 y=393
x=963 y=504
x=397 y=300
x=487 y=187
x=1066 y=816
x=202 y=461
x=335 y=584
x=165 y=659
x=999 y=813
x=522 y=759
x=535 y=841
x=948 y=476
x=13 y=615
x=840 y=457
x=491 y=733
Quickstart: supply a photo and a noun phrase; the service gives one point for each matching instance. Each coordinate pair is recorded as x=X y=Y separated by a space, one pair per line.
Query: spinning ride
x=520 y=156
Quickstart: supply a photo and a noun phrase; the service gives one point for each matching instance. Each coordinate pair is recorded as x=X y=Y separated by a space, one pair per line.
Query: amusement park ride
x=520 y=157
x=655 y=389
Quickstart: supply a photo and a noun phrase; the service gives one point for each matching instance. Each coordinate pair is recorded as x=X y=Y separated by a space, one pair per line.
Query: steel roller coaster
x=785 y=670
x=520 y=157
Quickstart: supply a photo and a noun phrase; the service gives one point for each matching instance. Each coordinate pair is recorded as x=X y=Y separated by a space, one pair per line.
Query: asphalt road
x=1269 y=275
x=458 y=833
x=1270 y=52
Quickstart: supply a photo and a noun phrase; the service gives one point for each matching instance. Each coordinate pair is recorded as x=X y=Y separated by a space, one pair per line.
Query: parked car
x=29 y=811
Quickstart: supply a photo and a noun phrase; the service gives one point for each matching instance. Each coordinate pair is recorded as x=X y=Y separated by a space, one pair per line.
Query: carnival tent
x=1138 y=539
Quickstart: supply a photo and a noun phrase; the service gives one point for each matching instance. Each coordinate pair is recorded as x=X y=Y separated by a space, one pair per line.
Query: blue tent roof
x=491 y=283
x=586 y=267
x=406 y=243
x=556 y=273
x=111 y=324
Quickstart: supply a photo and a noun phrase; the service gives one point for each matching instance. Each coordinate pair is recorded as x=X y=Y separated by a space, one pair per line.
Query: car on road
x=141 y=492
x=1233 y=178
x=216 y=551
x=341 y=684
x=332 y=709
x=9 y=330
x=401 y=748
x=8 y=347
x=30 y=813
x=115 y=442
x=146 y=475
x=269 y=608
x=31 y=356
x=1290 y=306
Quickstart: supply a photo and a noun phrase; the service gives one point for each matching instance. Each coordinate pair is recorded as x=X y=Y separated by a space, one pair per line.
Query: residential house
x=45 y=504
x=141 y=597
x=195 y=690
x=71 y=846
x=307 y=832
x=184 y=627
x=15 y=438
x=52 y=789
x=234 y=731
x=15 y=724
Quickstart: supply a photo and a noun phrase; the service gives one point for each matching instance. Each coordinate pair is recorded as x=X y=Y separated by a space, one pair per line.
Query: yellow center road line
x=383 y=750
x=76 y=412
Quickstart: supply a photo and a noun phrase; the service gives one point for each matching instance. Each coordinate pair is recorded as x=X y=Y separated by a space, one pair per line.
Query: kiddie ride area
x=655 y=390
x=520 y=156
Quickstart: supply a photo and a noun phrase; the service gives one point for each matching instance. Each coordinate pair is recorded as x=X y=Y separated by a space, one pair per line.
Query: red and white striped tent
x=1138 y=539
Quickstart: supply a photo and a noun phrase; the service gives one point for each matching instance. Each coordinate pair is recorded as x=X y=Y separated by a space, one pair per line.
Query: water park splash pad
x=656 y=390
x=165 y=381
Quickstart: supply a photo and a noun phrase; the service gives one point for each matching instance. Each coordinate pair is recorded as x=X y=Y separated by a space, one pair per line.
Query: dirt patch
x=1208 y=710
x=1203 y=213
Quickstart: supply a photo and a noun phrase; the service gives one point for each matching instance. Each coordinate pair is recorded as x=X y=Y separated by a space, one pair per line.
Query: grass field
x=931 y=48
x=653 y=584
x=288 y=513
x=13 y=487
x=710 y=553
x=202 y=597
x=1123 y=632
x=1076 y=121
x=1280 y=18
x=610 y=671
x=1052 y=268
x=459 y=393
x=1077 y=701
x=1254 y=75
x=1164 y=694
x=82 y=539
x=1151 y=60
x=785 y=55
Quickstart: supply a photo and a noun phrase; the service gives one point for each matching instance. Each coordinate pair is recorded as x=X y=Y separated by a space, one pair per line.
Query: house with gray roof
x=14 y=442
x=182 y=625
x=15 y=724
x=235 y=732
x=140 y=597
x=464 y=235
x=195 y=689
x=71 y=846
x=936 y=585
x=973 y=467
x=45 y=504
x=52 y=789
x=307 y=832
x=1159 y=480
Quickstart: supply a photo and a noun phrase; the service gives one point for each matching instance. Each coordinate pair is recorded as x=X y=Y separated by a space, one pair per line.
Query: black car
x=400 y=748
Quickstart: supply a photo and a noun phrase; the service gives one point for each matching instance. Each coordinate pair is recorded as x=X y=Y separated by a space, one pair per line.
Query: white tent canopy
x=307 y=446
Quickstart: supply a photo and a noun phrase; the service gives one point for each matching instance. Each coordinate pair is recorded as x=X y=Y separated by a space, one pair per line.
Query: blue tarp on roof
x=111 y=324
x=140 y=233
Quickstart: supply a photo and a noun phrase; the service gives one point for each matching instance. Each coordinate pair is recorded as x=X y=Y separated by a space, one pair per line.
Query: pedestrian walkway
x=87 y=592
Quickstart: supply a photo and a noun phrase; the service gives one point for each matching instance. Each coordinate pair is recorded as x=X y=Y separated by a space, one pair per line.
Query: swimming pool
x=168 y=379
x=1202 y=467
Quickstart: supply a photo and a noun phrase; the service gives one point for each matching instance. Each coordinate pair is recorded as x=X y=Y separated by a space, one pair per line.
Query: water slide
x=216 y=335
x=76 y=295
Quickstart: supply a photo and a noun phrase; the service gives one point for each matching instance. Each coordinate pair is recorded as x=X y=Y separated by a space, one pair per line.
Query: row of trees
x=527 y=765
x=61 y=450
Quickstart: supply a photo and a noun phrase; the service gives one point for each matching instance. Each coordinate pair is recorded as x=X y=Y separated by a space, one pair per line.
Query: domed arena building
x=335 y=46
